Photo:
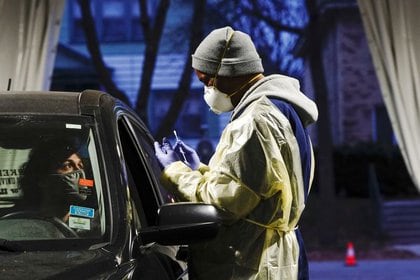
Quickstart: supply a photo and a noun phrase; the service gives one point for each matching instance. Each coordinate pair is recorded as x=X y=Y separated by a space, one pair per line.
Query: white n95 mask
x=218 y=101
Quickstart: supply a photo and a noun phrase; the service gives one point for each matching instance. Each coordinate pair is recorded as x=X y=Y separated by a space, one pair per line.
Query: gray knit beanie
x=235 y=57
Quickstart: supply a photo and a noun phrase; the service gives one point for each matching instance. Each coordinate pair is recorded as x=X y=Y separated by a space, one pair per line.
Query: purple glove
x=165 y=153
x=187 y=153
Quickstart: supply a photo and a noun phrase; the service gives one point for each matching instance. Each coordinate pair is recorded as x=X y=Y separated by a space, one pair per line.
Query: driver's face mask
x=68 y=183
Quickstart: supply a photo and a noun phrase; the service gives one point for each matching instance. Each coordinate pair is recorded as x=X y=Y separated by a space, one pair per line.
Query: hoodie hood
x=285 y=88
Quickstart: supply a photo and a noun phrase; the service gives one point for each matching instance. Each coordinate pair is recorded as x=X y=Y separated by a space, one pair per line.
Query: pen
x=180 y=148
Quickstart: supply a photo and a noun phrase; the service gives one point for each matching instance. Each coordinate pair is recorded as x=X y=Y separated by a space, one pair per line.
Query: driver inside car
x=54 y=184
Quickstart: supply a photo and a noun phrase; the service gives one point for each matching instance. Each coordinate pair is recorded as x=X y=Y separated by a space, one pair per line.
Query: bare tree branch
x=153 y=36
x=91 y=36
x=256 y=13
x=145 y=19
x=183 y=90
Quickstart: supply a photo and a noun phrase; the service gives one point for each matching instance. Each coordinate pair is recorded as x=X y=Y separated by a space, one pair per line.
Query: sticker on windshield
x=85 y=186
x=85 y=182
x=73 y=126
x=79 y=223
x=82 y=211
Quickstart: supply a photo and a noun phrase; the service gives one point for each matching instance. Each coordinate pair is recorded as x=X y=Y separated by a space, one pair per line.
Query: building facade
x=357 y=111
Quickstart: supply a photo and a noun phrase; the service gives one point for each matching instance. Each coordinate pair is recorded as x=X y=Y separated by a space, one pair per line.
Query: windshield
x=50 y=186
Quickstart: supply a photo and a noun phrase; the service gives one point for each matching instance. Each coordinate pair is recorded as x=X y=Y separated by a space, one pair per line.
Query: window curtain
x=393 y=32
x=28 y=42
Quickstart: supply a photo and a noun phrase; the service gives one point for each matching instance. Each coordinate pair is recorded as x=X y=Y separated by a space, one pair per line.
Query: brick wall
x=353 y=90
x=357 y=86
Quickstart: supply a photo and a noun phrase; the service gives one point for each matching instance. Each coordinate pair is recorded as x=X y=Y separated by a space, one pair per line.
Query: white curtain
x=28 y=42
x=393 y=32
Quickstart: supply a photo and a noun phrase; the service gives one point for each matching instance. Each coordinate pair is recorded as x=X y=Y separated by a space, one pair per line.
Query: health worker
x=262 y=168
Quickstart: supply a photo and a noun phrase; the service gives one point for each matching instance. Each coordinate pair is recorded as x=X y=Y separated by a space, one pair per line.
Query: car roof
x=48 y=102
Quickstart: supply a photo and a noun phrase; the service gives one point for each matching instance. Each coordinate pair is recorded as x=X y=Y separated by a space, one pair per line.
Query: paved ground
x=378 y=269
x=366 y=270
x=414 y=248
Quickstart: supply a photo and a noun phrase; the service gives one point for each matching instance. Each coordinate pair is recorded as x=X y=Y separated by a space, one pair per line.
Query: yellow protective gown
x=256 y=175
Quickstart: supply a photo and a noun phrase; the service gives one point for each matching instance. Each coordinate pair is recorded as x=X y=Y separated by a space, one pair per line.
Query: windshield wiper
x=9 y=246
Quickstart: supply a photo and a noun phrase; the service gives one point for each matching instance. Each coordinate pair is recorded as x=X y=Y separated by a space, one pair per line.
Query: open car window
x=50 y=179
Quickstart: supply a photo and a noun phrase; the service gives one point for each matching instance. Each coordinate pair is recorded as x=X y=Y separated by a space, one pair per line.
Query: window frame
x=147 y=199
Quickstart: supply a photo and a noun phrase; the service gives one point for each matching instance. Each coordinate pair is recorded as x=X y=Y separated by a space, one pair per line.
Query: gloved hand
x=165 y=153
x=191 y=156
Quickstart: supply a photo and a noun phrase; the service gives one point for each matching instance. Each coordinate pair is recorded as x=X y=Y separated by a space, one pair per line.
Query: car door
x=145 y=198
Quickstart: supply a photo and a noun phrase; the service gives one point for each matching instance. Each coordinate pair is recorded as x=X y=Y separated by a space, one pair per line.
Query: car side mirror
x=184 y=223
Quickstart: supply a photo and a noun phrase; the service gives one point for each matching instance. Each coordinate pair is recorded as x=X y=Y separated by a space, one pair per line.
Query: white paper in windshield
x=10 y=171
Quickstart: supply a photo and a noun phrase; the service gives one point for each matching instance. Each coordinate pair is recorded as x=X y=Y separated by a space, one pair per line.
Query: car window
x=145 y=141
x=50 y=180
x=141 y=181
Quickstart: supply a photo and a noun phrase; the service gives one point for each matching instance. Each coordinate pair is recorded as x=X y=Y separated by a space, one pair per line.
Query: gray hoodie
x=285 y=88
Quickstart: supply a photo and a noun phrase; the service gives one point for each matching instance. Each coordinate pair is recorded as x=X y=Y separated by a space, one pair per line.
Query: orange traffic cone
x=350 y=256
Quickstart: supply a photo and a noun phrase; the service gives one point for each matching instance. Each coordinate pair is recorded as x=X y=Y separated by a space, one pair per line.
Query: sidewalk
x=414 y=248
x=392 y=268
x=366 y=270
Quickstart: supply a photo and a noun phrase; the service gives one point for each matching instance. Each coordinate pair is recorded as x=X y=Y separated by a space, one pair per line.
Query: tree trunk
x=92 y=41
x=153 y=34
x=325 y=171
x=182 y=93
x=325 y=143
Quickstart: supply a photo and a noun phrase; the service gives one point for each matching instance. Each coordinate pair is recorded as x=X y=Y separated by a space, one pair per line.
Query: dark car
x=105 y=216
